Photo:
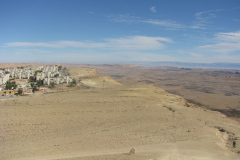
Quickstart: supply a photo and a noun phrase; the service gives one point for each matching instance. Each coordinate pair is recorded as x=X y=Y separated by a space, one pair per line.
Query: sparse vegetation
x=52 y=85
x=39 y=83
x=20 y=91
x=36 y=72
x=32 y=79
x=10 y=85
x=20 y=67
x=73 y=83
x=186 y=69
x=59 y=68
x=34 y=87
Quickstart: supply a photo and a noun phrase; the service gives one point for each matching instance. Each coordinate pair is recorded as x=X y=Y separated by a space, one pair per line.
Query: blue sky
x=119 y=30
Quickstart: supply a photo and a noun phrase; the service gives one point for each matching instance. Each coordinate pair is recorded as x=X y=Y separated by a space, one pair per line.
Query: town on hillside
x=32 y=79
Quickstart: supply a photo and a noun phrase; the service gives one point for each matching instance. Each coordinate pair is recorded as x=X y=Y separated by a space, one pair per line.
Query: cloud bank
x=225 y=42
x=129 y=43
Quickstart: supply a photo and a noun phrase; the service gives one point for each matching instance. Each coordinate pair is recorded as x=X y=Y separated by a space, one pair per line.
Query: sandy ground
x=105 y=123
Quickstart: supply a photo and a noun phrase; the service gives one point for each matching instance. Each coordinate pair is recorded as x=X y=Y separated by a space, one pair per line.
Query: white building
x=57 y=80
x=4 y=78
x=40 y=76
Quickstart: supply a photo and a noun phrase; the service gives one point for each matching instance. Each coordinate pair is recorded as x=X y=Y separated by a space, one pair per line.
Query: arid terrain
x=214 y=89
x=107 y=119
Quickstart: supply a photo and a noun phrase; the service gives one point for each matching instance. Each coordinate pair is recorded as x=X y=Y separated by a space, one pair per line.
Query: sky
x=78 y=31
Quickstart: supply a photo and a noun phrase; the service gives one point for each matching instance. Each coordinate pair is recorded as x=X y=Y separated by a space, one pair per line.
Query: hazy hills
x=222 y=65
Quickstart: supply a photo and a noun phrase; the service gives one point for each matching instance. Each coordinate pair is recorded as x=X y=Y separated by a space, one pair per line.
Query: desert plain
x=108 y=119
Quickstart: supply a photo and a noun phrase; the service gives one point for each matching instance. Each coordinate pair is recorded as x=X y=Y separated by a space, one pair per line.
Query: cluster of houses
x=21 y=72
x=16 y=73
x=26 y=90
x=47 y=74
x=3 y=77
x=52 y=74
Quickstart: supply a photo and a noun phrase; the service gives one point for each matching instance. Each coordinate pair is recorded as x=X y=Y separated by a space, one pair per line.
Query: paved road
x=7 y=96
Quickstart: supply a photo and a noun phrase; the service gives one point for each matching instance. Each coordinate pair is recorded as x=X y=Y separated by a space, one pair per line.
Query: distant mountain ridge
x=220 y=65
x=217 y=65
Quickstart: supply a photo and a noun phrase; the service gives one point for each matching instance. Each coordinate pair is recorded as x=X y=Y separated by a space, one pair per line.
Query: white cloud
x=55 y=44
x=123 y=18
x=129 y=43
x=222 y=47
x=169 y=24
x=165 y=23
x=196 y=55
x=230 y=37
x=138 y=43
x=202 y=18
x=153 y=9
x=225 y=42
